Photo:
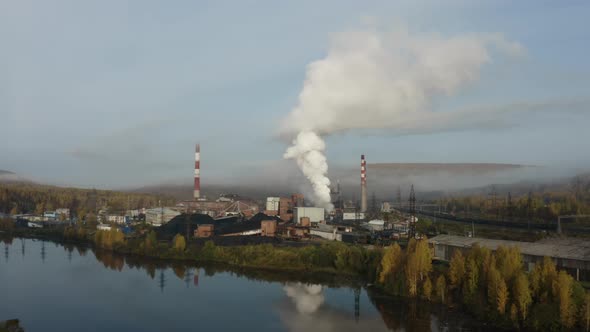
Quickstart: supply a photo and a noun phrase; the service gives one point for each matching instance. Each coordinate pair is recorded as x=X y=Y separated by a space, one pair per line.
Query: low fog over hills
x=384 y=179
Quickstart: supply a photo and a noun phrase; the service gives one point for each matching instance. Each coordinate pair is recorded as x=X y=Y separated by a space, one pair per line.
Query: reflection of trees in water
x=179 y=271
x=417 y=315
x=43 y=252
x=69 y=248
x=7 y=243
x=113 y=262
x=398 y=313
x=162 y=281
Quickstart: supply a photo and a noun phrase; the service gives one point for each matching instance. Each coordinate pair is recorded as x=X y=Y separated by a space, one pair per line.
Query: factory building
x=116 y=219
x=314 y=214
x=160 y=216
x=268 y=227
x=353 y=216
x=376 y=225
x=297 y=200
x=286 y=208
x=272 y=203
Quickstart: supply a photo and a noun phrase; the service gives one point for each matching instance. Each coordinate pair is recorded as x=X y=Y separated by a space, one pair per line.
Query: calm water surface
x=52 y=287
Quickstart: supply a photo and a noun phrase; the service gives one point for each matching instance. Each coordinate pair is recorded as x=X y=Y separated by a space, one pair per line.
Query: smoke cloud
x=307 y=298
x=383 y=80
x=308 y=151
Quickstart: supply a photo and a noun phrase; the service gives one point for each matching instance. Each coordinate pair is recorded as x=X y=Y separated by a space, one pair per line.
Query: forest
x=543 y=203
x=19 y=198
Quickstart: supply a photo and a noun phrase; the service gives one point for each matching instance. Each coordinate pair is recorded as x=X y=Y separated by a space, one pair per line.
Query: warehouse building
x=160 y=216
x=314 y=214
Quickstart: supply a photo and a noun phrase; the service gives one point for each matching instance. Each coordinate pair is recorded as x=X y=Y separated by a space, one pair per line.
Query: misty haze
x=294 y=166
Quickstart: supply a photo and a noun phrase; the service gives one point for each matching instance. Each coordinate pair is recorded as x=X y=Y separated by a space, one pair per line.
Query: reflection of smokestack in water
x=363 y=184
x=197 y=193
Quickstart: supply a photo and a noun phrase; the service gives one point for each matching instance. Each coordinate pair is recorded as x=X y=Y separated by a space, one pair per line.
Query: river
x=54 y=287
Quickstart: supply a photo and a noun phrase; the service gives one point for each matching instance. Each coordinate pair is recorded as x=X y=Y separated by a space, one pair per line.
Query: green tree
x=151 y=241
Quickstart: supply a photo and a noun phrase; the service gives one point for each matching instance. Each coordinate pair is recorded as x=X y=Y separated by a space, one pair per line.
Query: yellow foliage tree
x=412 y=274
x=585 y=313
x=522 y=295
x=501 y=296
x=179 y=243
x=390 y=263
x=563 y=290
x=427 y=288
x=456 y=269
x=441 y=288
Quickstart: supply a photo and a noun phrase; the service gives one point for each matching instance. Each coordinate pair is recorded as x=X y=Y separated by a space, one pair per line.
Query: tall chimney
x=197 y=193
x=363 y=184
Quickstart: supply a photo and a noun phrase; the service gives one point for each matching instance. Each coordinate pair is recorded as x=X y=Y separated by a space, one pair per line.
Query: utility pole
x=412 y=208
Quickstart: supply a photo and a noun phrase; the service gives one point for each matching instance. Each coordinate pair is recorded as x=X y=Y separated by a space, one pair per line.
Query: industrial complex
x=230 y=219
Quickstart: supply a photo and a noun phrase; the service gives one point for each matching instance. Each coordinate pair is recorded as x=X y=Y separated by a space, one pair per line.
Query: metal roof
x=566 y=248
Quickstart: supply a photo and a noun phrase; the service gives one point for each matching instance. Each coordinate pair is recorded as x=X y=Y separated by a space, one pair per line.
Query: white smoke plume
x=384 y=80
x=308 y=151
x=307 y=298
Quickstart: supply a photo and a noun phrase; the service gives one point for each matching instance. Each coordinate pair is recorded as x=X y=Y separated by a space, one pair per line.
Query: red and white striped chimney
x=197 y=193
x=363 y=184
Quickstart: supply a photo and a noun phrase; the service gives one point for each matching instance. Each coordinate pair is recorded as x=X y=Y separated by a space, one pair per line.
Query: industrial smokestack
x=363 y=184
x=197 y=193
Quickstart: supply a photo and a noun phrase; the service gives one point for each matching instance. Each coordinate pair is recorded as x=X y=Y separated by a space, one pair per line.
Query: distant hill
x=11 y=177
x=453 y=168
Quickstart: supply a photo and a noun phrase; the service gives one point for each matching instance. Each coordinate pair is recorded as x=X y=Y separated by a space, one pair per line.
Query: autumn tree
x=441 y=288
x=423 y=258
x=522 y=295
x=509 y=262
x=471 y=280
x=563 y=291
x=179 y=243
x=542 y=278
x=456 y=269
x=493 y=285
x=412 y=274
x=390 y=263
x=501 y=296
x=585 y=313
x=427 y=288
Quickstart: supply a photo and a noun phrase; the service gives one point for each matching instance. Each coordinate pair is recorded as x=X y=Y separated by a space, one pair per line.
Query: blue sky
x=116 y=93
